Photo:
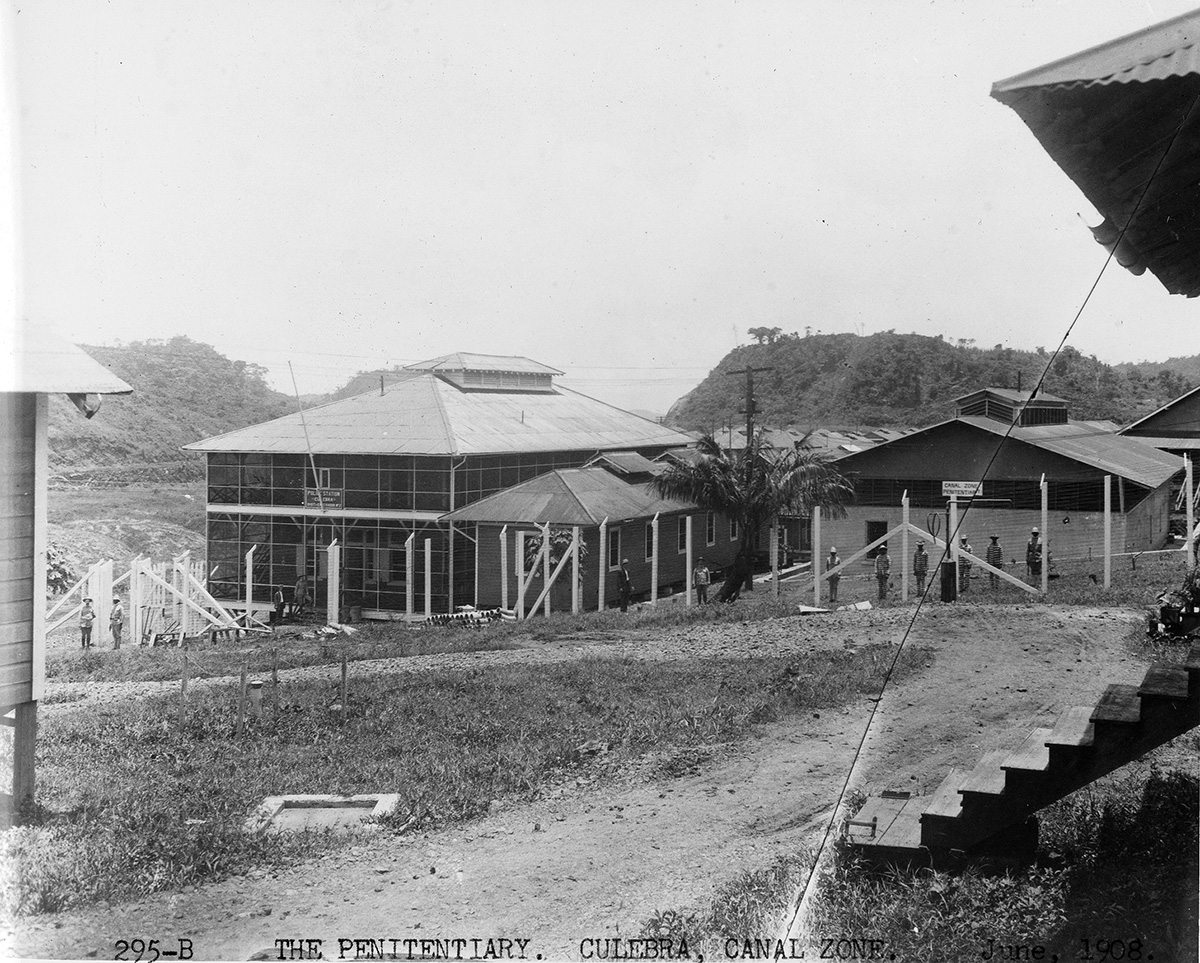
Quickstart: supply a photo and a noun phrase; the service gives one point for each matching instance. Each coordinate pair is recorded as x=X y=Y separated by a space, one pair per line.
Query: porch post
x=816 y=554
x=1107 y=531
x=688 y=576
x=428 y=577
x=905 y=560
x=1045 y=536
x=603 y=562
x=575 y=600
x=654 y=561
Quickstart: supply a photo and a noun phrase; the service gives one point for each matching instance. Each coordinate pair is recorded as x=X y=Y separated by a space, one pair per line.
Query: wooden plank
x=1120 y=703
x=1192 y=664
x=946 y=801
x=1073 y=728
x=1032 y=754
x=16 y=634
x=19 y=673
x=1166 y=680
x=987 y=777
x=876 y=807
x=16 y=653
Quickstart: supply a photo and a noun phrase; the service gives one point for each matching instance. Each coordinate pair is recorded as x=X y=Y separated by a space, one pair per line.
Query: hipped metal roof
x=424 y=414
x=569 y=496
x=466 y=361
x=1122 y=121
x=35 y=361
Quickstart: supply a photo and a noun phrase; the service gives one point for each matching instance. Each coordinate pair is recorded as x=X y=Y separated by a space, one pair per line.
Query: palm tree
x=753 y=486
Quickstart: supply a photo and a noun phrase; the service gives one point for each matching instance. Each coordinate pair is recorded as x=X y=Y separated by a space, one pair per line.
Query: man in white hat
x=833 y=562
x=87 y=615
x=1033 y=555
x=116 y=621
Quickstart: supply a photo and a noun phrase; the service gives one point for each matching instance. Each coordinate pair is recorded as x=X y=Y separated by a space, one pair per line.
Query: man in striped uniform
x=994 y=556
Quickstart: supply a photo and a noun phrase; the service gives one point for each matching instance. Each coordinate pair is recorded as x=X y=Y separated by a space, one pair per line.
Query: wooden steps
x=978 y=810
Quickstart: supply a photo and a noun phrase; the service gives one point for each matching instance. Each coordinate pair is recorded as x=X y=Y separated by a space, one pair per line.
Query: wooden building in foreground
x=37 y=365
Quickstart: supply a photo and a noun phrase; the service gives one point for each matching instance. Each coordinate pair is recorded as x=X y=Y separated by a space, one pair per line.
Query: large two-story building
x=371 y=470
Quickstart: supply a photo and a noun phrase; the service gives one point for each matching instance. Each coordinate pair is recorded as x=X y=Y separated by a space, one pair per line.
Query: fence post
x=774 y=553
x=504 y=567
x=654 y=560
x=575 y=601
x=241 y=709
x=249 y=589
x=688 y=576
x=545 y=568
x=183 y=682
x=344 y=691
x=1108 y=531
x=519 y=546
x=602 y=563
x=905 y=558
x=333 y=585
x=428 y=577
x=952 y=541
x=1045 y=536
x=1188 y=484
x=816 y=554
x=410 y=569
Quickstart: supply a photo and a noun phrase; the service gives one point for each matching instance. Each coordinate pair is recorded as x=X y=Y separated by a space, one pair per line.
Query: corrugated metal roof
x=1130 y=458
x=1119 y=119
x=424 y=415
x=1011 y=394
x=1158 y=412
x=569 y=496
x=630 y=462
x=37 y=361
x=1167 y=49
x=466 y=361
x=1168 y=443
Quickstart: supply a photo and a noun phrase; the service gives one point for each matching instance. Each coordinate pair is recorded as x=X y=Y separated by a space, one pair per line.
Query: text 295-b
x=151 y=951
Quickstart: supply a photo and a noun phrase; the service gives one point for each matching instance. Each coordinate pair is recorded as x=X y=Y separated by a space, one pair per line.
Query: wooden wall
x=21 y=575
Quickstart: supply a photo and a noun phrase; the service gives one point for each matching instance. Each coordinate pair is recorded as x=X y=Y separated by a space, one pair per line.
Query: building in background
x=35 y=366
x=600 y=495
x=371 y=470
x=1175 y=427
x=1074 y=456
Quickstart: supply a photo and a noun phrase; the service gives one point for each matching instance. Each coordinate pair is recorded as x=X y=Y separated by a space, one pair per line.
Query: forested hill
x=183 y=391
x=889 y=379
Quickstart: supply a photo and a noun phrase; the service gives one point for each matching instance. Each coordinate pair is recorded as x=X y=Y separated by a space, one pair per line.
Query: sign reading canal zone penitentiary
x=962 y=489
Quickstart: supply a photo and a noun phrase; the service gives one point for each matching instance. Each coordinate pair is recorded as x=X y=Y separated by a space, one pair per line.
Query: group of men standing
x=993 y=556
x=87 y=618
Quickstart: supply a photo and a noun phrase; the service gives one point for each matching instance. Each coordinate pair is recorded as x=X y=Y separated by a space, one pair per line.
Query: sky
x=619 y=190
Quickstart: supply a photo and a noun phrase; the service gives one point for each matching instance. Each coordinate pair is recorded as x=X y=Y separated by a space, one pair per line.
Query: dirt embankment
x=596 y=861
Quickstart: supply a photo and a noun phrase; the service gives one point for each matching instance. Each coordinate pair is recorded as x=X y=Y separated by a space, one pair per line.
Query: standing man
x=701 y=578
x=277 y=601
x=833 y=562
x=964 y=566
x=87 y=616
x=624 y=584
x=116 y=621
x=995 y=558
x=920 y=567
x=1033 y=555
x=300 y=595
x=883 y=570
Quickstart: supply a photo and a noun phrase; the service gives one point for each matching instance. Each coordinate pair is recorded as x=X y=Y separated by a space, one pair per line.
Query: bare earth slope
x=598 y=860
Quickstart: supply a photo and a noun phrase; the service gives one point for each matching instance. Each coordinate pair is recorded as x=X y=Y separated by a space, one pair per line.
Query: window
x=649 y=540
x=323 y=476
x=710 y=529
x=614 y=548
x=733 y=529
x=682 y=541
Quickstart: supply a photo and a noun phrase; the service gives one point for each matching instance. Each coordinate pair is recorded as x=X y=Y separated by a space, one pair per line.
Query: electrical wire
x=951 y=536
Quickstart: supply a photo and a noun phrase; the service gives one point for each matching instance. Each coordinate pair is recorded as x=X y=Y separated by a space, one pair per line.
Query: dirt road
x=596 y=861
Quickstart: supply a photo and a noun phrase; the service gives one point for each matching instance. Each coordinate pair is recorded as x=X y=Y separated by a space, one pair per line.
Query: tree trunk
x=740 y=572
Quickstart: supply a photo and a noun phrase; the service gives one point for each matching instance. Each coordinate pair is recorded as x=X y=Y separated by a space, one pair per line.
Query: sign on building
x=323 y=498
x=962 y=489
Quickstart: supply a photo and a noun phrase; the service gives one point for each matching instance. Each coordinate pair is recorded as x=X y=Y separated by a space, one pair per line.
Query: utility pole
x=751 y=408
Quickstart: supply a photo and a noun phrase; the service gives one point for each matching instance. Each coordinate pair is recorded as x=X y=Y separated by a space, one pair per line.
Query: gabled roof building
x=1175 y=427
x=373 y=469
x=1011 y=441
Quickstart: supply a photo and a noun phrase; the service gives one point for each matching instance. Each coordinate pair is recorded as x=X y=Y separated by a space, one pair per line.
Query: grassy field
x=132 y=803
